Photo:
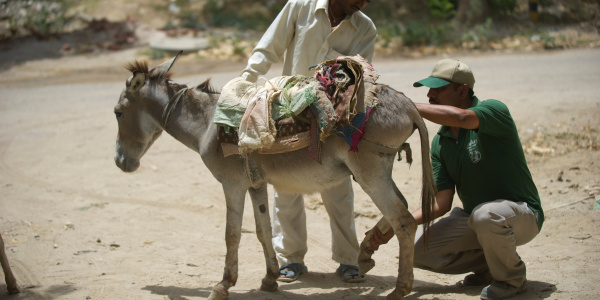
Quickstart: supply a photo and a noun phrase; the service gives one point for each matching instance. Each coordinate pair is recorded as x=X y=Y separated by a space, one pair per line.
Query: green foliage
x=419 y=34
x=442 y=9
x=382 y=12
x=548 y=41
x=257 y=16
x=387 y=32
x=480 y=34
x=415 y=34
x=238 y=47
x=190 y=19
x=42 y=19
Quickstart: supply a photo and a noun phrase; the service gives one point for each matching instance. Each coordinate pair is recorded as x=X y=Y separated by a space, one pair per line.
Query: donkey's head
x=139 y=111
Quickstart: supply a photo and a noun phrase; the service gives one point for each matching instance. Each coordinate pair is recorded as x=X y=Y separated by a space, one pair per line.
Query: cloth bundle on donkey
x=289 y=113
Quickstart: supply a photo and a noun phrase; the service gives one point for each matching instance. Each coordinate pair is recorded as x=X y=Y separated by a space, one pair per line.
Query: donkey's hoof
x=395 y=295
x=365 y=265
x=268 y=285
x=13 y=289
x=365 y=262
x=218 y=293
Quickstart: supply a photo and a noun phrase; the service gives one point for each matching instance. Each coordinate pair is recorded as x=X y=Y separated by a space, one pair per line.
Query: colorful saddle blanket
x=337 y=100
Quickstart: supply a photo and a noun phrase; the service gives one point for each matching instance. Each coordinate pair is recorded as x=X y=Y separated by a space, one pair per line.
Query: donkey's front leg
x=260 y=203
x=234 y=197
x=11 y=281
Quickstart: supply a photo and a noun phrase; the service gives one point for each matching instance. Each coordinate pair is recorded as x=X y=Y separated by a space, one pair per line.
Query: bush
x=479 y=35
x=503 y=7
x=442 y=9
x=254 y=15
x=419 y=34
x=43 y=19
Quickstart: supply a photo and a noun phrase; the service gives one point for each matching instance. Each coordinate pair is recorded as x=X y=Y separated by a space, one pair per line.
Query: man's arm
x=272 y=45
x=449 y=115
x=442 y=205
x=383 y=232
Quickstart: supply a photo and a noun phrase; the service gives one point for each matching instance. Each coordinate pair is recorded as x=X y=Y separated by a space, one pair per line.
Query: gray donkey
x=11 y=281
x=150 y=104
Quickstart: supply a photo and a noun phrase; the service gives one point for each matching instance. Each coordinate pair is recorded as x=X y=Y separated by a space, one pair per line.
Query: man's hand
x=442 y=205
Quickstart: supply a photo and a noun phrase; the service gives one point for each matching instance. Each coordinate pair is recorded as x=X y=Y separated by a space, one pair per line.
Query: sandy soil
x=76 y=227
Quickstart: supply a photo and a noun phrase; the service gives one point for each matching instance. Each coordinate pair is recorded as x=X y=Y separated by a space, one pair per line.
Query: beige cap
x=446 y=71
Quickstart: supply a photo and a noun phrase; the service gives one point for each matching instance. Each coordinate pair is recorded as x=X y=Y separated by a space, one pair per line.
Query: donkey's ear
x=162 y=69
x=135 y=82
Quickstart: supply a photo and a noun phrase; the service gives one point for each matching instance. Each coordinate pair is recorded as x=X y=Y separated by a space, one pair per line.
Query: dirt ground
x=76 y=227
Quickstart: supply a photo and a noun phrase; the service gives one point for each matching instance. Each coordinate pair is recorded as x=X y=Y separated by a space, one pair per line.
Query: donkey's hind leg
x=381 y=188
x=380 y=234
x=11 y=281
x=260 y=204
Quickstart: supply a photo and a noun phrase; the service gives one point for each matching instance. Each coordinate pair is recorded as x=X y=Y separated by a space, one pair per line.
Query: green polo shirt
x=486 y=164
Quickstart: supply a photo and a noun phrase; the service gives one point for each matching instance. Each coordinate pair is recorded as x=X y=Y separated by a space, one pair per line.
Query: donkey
x=151 y=103
x=11 y=281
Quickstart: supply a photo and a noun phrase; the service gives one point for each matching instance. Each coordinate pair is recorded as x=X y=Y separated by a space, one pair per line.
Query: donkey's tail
x=428 y=189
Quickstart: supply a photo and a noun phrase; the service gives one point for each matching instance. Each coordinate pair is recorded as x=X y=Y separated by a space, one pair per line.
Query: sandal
x=350 y=274
x=291 y=272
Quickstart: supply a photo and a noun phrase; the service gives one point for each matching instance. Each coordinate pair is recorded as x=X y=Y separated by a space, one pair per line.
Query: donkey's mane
x=137 y=66
x=206 y=87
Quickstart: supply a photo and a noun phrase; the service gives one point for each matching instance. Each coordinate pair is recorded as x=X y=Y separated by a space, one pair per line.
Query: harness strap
x=389 y=150
x=379 y=148
x=171 y=106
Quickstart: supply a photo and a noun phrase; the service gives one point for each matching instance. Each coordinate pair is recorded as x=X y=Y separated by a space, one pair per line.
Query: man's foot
x=476 y=279
x=502 y=290
x=291 y=272
x=350 y=274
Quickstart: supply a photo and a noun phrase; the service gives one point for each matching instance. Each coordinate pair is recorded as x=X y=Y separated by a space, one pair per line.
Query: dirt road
x=76 y=227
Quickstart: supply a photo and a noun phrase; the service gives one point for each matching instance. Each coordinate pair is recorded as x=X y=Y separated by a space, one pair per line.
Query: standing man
x=477 y=153
x=309 y=32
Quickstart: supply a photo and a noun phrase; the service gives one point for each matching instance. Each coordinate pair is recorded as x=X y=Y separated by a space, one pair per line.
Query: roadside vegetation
x=406 y=27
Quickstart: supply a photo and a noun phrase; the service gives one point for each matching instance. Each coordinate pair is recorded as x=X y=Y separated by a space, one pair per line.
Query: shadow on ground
x=376 y=287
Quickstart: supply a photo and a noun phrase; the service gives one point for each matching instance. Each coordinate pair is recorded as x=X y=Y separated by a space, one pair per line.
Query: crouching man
x=476 y=154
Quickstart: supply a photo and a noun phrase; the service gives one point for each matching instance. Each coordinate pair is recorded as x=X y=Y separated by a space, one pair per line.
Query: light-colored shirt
x=302 y=31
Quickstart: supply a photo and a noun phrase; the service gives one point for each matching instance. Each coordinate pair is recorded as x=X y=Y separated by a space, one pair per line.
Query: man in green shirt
x=477 y=154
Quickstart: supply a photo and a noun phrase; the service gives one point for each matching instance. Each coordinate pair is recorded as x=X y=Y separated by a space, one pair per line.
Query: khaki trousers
x=485 y=239
x=289 y=225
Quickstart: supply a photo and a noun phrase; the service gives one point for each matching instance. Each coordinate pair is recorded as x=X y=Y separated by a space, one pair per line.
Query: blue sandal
x=350 y=274
x=292 y=273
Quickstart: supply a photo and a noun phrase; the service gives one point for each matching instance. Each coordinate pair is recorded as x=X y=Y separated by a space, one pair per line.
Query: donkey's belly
x=296 y=173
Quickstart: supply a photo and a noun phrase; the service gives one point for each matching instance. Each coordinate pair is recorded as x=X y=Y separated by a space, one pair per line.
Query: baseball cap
x=446 y=71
